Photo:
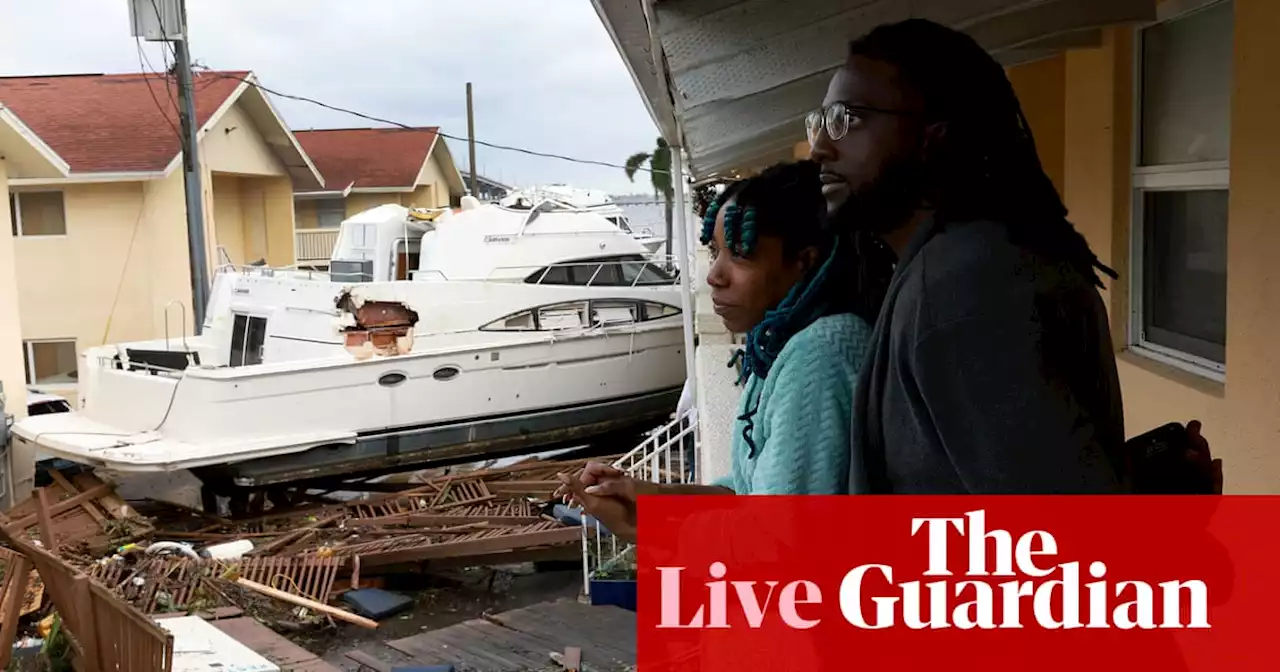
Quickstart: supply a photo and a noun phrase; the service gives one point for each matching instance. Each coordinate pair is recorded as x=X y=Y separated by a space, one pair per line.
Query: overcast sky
x=545 y=72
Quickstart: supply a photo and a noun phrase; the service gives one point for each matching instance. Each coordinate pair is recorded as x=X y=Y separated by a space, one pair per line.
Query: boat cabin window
x=608 y=313
x=583 y=314
x=627 y=270
x=657 y=311
x=248 y=336
x=620 y=222
x=563 y=316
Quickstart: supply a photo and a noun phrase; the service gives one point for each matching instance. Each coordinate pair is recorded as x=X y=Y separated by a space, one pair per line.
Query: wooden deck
x=263 y=640
x=517 y=641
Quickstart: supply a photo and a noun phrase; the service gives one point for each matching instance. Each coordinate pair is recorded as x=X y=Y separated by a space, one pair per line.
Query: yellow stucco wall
x=127 y=244
x=234 y=145
x=128 y=248
x=433 y=188
x=249 y=220
x=12 y=373
x=358 y=203
x=1040 y=89
x=304 y=214
x=228 y=217
x=276 y=197
x=1242 y=416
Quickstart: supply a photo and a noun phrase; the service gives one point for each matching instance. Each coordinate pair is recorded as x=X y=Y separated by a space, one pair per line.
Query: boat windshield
x=629 y=270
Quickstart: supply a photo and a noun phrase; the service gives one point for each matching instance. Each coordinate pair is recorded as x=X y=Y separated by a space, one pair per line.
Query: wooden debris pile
x=85 y=514
x=76 y=542
x=478 y=515
x=314 y=552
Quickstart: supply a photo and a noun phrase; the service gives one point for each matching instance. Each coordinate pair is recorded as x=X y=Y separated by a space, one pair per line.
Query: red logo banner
x=958 y=583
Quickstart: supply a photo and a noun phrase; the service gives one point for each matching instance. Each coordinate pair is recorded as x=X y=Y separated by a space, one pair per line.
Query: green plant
x=659 y=161
x=56 y=650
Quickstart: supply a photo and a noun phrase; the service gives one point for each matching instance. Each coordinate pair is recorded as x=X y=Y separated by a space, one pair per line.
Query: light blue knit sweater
x=801 y=428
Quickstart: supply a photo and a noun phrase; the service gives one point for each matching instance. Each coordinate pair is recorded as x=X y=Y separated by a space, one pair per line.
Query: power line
x=380 y=120
x=146 y=75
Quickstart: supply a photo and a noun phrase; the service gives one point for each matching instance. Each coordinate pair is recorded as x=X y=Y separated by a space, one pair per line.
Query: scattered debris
x=84 y=512
x=377 y=603
x=109 y=568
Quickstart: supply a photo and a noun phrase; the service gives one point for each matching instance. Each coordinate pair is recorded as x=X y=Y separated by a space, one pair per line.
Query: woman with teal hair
x=805 y=298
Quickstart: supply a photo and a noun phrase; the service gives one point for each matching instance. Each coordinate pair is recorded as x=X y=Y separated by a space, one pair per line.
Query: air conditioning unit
x=360 y=270
x=156 y=20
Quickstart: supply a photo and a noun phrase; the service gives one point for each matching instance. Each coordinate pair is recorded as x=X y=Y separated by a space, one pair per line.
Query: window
x=563 y=316
x=37 y=213
x=248 y=335
x=657 y=311
x=614 y=313
x=52 y=362
x=330 y=212
x=1181 y=181
x=573 y=315
x=47 y=407
x=620 y=271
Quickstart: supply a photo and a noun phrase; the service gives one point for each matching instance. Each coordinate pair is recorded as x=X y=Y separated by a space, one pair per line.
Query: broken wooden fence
x=109 y=635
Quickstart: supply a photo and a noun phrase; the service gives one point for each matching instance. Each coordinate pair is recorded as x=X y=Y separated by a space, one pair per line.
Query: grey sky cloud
x=546 y=75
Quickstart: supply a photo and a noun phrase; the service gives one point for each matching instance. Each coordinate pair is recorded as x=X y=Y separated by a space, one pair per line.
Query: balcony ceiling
x=731 y=80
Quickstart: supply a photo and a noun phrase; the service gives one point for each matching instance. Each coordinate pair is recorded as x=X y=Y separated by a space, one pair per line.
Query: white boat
x=587 y=200
x=436 y=336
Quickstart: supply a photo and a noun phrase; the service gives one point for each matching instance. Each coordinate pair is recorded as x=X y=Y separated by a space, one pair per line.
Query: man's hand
x=1200 y=455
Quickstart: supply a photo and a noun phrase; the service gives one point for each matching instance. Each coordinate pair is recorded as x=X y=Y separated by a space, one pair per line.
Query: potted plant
x=614 y=582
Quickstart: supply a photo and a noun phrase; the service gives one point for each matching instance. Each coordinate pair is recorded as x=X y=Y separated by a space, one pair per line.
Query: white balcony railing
x=314 y=245
x=669 y=455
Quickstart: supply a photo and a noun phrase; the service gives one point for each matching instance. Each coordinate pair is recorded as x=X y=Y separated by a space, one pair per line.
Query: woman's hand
x=616 y=513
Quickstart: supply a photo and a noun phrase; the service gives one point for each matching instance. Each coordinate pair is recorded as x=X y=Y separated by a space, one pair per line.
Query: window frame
x=612 y=262
x=243 y=336
x=335 y=205
x=641 y=311
x=15 y=211
x=29 y=362
x=1183 y=177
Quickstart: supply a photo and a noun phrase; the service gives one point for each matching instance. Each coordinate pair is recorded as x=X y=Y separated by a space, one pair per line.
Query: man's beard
x=885 y=203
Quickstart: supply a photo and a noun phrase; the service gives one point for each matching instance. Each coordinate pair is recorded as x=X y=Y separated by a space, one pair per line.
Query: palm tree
x=660 y=172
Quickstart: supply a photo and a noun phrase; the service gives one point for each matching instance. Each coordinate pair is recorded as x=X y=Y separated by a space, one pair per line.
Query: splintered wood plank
x=87 y=505
x=34 y=596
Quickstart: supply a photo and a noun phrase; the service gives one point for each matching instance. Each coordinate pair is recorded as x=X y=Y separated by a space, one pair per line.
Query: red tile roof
x=111 y=123
x=368 y=157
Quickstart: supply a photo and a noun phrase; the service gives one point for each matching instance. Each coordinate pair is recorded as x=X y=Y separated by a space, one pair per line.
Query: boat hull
x=375 y=453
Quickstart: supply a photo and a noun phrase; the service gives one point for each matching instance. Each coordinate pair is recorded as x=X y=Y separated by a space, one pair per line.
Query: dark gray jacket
x=990 y=370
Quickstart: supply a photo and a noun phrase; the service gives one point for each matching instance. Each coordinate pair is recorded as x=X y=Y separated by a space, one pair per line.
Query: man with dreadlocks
x=779 y=275
x=991 y=367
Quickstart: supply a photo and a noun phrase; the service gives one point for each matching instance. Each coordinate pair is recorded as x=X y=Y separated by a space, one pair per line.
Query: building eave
x=88 y=178
x=383 y=190
x=736 y=77
x=452 y=175
x=311 y=195
x=31 y=156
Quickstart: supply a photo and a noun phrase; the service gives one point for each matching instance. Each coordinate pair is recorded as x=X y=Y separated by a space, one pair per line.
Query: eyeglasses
x=837 y=117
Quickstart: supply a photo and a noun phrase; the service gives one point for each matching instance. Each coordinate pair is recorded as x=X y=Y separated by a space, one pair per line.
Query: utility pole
x=166 y=21
x=471 y=141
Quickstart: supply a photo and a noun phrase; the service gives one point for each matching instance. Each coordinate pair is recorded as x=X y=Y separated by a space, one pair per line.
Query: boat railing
x=301 y=272
x=119 y=363
x=668 y=456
